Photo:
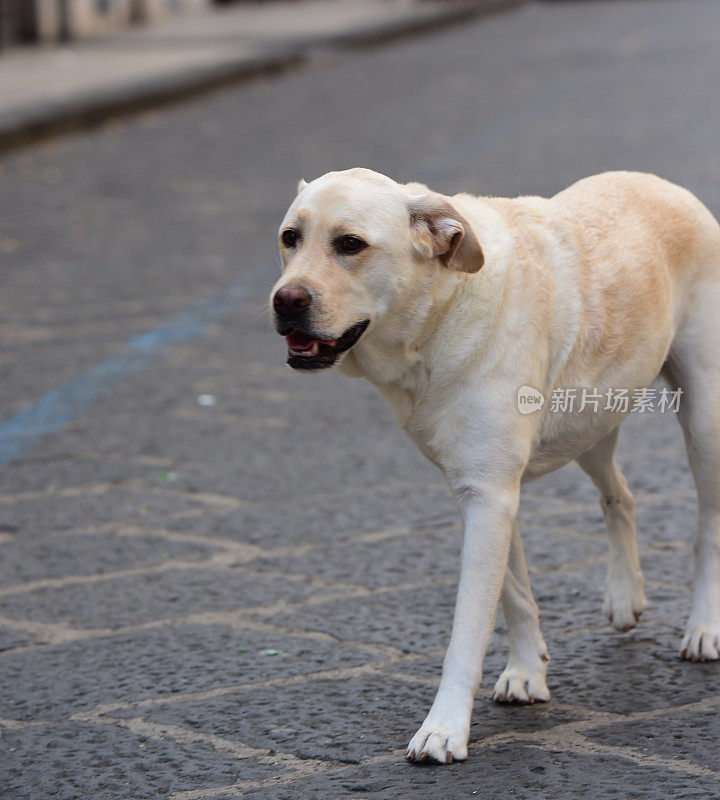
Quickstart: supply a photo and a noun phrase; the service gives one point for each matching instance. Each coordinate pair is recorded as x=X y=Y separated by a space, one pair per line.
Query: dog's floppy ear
x=302 y=183
x=438 y=230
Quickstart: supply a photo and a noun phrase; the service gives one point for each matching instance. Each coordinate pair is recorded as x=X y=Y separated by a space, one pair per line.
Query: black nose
x=291 y=301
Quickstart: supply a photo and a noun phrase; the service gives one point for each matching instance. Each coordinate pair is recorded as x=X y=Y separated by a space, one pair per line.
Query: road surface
x=251 y=598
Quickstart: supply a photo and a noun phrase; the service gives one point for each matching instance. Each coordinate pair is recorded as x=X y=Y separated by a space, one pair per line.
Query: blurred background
x=70 y=20
x=220 y=578
x=58 y=20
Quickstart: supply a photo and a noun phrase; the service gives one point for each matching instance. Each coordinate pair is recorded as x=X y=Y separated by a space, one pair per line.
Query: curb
x=25 y=127
x=93 y=108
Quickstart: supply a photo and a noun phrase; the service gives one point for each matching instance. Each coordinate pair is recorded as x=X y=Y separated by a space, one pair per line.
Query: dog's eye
x=351 y=244
x=289 y=238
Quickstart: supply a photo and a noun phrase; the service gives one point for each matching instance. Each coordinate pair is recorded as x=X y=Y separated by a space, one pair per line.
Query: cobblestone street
x=249 y=594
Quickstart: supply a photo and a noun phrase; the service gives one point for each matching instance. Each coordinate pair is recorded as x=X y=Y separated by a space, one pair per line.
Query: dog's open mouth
x=309 y=352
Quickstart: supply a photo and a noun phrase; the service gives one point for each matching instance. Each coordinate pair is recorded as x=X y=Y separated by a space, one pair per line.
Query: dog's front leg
x=488 y=514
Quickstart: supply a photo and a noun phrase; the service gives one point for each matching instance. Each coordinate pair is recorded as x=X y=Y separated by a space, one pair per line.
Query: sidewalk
x=46 y=90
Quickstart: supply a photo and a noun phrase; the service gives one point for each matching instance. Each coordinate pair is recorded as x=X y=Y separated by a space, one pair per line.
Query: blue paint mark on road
x=54 y=410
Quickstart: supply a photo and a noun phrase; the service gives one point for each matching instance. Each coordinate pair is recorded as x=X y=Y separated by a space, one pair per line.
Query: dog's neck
x=403 y=359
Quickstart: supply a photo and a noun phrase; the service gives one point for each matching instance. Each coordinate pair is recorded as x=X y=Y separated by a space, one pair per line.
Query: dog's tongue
x=301 y=341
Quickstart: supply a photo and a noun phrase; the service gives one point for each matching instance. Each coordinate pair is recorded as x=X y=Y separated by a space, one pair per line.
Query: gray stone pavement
x=251 y=599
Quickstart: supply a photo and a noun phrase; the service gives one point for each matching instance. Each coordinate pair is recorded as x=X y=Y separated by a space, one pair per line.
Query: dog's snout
x=291 y=301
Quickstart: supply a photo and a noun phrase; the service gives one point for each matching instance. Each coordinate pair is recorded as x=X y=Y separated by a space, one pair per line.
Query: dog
x=455 y=306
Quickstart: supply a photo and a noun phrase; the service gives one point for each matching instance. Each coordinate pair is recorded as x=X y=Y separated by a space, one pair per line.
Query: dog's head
x=360 y=254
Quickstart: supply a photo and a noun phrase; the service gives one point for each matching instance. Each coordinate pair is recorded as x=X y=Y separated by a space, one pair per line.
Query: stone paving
x=252 y=599
x=213 y=644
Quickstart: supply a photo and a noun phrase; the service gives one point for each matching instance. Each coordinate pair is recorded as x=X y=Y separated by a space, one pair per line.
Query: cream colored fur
x=608 y=284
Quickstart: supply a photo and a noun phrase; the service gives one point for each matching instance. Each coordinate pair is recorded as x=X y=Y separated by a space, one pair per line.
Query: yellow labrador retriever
x=457 y=308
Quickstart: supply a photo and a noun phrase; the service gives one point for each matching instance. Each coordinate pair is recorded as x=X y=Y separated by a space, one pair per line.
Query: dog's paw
x=517 y=685
x=701 y=643
x=624 y=599
x=436 y=743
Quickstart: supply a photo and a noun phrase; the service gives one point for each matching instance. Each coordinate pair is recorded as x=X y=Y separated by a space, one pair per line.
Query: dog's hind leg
x=523 y=680
x=624 y=596
x=693 y=366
